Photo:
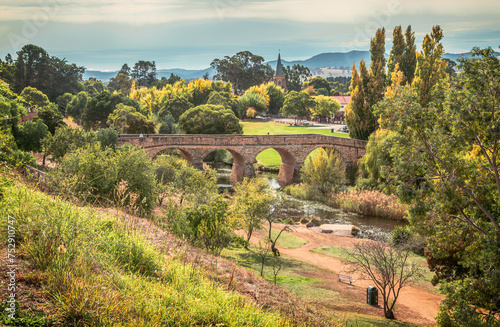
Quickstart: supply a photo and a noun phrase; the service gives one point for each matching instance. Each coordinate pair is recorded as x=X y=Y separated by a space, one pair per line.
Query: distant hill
x=324 y=65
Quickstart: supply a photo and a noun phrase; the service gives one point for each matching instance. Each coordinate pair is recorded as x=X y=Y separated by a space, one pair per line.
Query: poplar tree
x=359 y=115
x=430 y=66
x=409 y=63
x=397 y=53
x=376 y=82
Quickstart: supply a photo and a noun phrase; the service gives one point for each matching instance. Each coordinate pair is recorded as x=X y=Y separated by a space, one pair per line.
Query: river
x=296 y=209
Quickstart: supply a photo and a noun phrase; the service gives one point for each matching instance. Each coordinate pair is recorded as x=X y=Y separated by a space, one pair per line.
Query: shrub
x=93 y=174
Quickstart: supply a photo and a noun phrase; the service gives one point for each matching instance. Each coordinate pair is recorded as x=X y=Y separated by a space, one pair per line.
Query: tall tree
x=144 y=72
x=243 y=70
x=358 y=114
x=446 y=165
x=397 y=53
x=430 y=65
x=125 y=70
x=376 y=83
x=295 y=76
x=51 y=75
x=410 y=56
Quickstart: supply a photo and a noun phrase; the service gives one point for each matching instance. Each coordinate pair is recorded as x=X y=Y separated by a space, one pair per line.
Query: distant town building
x=344 y=102
x=279 y=77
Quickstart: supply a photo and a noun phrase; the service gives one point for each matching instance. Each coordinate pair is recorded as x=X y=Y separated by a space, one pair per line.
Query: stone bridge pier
x=293 y=150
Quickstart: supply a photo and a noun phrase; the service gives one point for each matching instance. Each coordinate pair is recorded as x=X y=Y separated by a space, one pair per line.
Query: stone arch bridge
x=292 y=148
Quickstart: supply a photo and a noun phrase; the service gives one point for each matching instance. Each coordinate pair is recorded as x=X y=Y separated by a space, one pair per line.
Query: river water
x=296 y=209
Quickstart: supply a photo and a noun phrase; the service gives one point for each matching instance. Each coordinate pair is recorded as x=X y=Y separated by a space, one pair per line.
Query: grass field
x=270 y=158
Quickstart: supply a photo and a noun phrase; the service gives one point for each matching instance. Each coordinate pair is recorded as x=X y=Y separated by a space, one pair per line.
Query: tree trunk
x=389 y=314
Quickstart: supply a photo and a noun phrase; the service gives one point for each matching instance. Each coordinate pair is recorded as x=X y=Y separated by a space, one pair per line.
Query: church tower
x=279 y=77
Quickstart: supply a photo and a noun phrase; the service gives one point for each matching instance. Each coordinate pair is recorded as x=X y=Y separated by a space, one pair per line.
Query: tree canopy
x=446 y=166
x=210 y=119
x=243 y=70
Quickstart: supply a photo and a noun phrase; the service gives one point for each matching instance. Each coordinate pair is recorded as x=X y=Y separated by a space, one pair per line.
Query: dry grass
x=370 y=203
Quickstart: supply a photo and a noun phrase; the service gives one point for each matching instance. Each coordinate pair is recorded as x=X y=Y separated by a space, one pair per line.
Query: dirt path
x=414 y=305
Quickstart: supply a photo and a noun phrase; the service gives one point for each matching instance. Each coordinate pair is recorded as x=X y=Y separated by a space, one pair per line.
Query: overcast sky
x=104 y=34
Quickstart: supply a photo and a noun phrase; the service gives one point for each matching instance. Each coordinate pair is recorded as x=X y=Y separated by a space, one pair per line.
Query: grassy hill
x=95 y=268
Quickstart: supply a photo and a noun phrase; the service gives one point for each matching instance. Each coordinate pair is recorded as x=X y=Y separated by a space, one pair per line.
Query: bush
x=94 y=174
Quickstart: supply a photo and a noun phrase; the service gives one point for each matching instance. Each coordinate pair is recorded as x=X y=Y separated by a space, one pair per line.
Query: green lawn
x=262 y=128
x=270 y=158
x=287 y=240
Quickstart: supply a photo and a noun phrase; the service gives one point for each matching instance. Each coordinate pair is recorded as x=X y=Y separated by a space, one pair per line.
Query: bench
x=345 y=278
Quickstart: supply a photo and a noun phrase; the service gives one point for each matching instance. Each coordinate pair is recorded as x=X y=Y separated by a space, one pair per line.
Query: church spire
x=279 y=77
x=279 y=67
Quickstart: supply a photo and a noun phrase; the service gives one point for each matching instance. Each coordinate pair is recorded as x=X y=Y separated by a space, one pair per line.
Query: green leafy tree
x=375 y=164
x=168 y=125
x=51 y=117
x=34 y=98
x=297 y=105
x=295 y=76
x=126 y=120
x=98 y=108
x=92 y=87
x=320 y=83
x=125 y=70
x=66 y=140
x=121 y=83
x=243 y=70
x=211 y=226
x=252 y=202
x=210 y=119
x=62 y=102
x=107 y=137
x=144 y=72
x=325 y=106
x=76 y=106
x=446 y=167
x=31 y=135
x=50 y=75
x=324 y=172
x=175 y=107
x=276 y=98
x=251 y=100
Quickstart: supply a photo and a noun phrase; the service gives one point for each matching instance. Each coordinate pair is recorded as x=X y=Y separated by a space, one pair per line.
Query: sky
x=104 y=34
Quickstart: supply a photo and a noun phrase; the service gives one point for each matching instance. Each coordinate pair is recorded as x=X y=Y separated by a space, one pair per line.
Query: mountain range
x=324 y=65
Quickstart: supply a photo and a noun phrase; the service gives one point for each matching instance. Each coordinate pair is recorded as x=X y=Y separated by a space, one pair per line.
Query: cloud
x=147 y=12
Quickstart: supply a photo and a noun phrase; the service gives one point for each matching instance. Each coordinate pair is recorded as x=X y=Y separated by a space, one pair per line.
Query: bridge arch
x=187 y=155
x=239 y=162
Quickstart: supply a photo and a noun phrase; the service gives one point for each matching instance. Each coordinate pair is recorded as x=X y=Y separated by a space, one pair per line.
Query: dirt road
x=414 y=305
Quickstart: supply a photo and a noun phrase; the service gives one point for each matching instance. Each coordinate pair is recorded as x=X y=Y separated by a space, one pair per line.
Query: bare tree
x=276 y=264
x=388 y=267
